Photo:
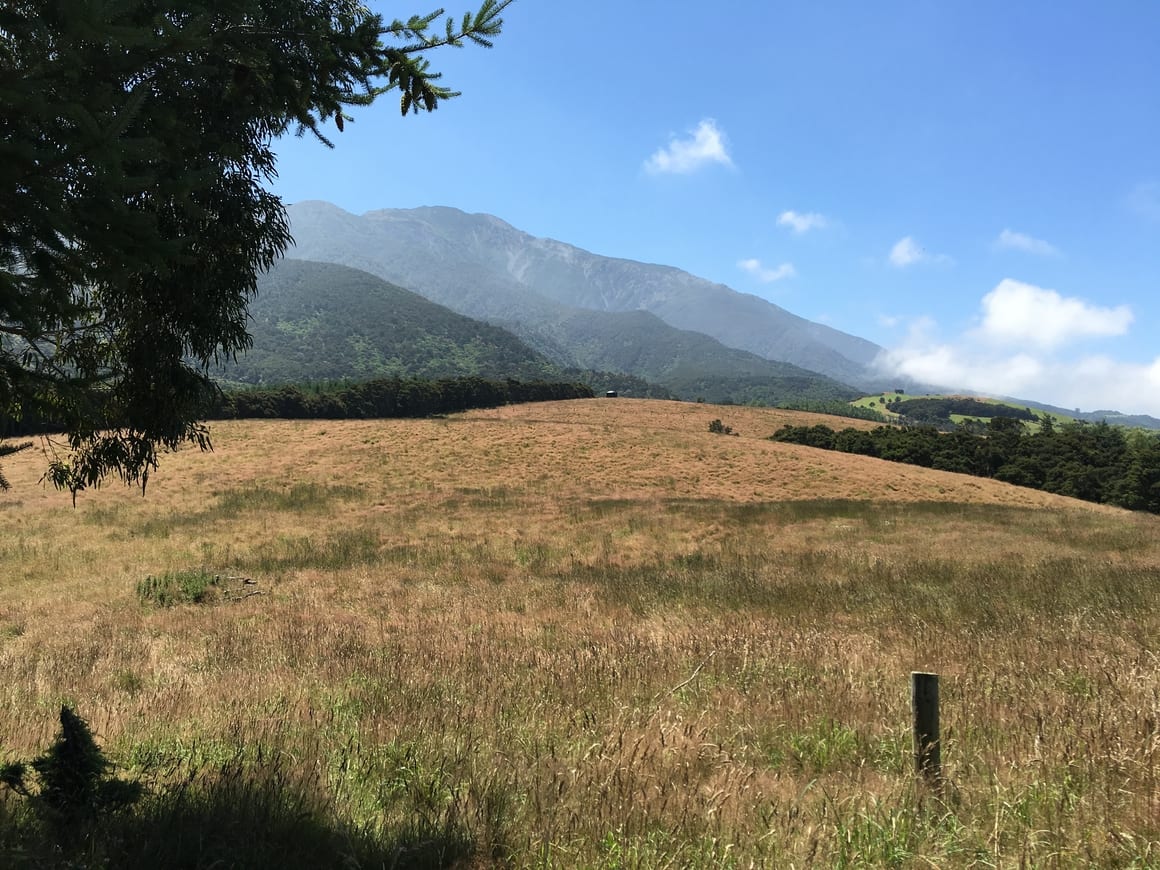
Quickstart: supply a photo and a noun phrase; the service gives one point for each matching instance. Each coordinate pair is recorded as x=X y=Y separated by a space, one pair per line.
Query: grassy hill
x=589 y=633
x=955 y=408
x=892 y=403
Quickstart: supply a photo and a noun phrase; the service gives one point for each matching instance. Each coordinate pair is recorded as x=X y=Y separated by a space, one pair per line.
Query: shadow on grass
x=230 y=818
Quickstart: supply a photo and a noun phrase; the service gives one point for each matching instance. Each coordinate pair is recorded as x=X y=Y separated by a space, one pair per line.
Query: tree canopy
x=1094 y=462
x=135 y=152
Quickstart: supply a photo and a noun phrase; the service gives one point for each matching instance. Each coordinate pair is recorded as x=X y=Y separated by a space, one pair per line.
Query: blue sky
x=973 y=185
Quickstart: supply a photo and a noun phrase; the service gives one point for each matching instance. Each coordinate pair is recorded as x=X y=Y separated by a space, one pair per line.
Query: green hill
x=690 y=364
x=943 y=408
x=321 y=321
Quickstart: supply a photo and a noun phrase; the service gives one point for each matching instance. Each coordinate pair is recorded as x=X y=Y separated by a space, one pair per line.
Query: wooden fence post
x=924 y=703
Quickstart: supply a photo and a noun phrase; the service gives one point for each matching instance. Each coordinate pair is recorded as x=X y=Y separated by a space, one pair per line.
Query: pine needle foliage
x=135 y=152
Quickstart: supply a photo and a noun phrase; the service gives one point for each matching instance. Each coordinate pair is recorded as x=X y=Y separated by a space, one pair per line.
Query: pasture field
x=880 y=403
x=581 y=634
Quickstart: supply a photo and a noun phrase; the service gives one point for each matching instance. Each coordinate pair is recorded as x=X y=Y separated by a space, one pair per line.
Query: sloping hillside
x=322 y=321
x=595 y=448
x=636 y=448
x=689 y=363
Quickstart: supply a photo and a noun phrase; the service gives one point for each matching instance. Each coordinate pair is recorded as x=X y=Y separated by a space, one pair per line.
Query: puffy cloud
x=1090 y=382
x=1009 y=240
x=1018 y=351
x=766 y=275
x=1018 y=313
x=802 y=223
x=704 y=145
x=906 y=252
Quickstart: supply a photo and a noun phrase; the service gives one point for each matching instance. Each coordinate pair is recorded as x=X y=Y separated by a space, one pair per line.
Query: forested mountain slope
x=322 y=321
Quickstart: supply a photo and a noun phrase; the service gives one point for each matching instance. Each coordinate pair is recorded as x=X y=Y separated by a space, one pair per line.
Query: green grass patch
x=193 y=586
x=236 y=814
x=348 y=548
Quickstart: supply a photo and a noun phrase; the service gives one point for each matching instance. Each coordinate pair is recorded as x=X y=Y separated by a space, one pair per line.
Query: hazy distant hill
x=1115 y=418
x=690 y=364
x=322 y=321
x=480 y=266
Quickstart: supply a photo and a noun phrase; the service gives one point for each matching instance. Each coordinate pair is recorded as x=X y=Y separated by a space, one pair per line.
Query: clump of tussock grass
x=190 y=586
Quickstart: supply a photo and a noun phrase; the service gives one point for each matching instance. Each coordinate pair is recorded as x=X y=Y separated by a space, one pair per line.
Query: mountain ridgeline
x=538 y=288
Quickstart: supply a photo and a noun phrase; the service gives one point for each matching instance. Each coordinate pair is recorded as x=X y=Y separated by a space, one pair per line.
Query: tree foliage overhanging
x=1094 y=462
x=135 y=145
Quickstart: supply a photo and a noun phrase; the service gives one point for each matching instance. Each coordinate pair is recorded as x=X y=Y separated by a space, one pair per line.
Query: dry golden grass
x=595 y=634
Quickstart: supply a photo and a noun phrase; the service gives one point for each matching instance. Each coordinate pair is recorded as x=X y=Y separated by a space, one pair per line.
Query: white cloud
x=1009 y=240
x=1017 y=313
x=766 y=275
x=907 y=252
x=704 y=145
x=1018 y=351
x=802 y=223
x=1088 y=382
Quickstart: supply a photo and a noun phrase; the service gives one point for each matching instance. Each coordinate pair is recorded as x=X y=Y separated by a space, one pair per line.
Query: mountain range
x=484 y=298
x=313 y=321
x=544 y=290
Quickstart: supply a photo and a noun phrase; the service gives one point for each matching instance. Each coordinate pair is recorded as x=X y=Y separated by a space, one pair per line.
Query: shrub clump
x=195 y=586
x=719 y=428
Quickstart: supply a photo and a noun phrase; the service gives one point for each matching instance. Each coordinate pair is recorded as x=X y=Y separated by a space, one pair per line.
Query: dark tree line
x=1094 y=462
x=937 y=411
x=389 y=397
